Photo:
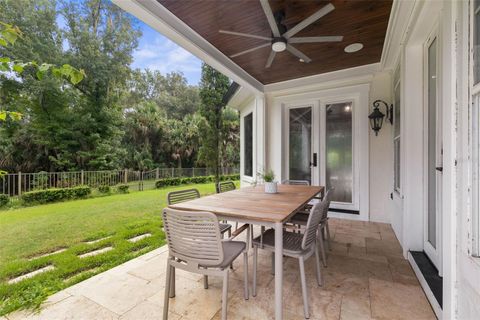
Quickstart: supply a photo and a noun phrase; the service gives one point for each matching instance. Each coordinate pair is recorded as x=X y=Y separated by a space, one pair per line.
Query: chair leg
x=245 y=273
x=205 y=282
x=229 y=232
x=322 y=249
x=255 y=253
x=225 y=294
x=317 y=266
x=273 y=263
x=328 y=235
x=167 y=291
x=304 y=288
x=172 y=283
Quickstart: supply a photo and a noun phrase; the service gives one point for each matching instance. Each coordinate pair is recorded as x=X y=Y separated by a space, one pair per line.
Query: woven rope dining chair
x=295 y=245
x=195 y=245
x=296 y=182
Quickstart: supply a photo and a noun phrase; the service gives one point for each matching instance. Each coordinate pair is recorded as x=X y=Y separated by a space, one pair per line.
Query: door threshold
x=431 y=282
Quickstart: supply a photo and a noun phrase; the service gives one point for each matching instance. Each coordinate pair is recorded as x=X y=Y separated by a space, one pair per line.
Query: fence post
x=157 y=174
x=193 y=172
x=173 y=172
x=82 y=177
x=126 y=176
x=19 y=183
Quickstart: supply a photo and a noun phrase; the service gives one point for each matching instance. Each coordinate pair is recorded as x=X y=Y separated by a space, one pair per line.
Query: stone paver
x=139 y=237
x=97 y=240
x=95 y=252
x=31 y=274
x=366 y=278
x=47 y=254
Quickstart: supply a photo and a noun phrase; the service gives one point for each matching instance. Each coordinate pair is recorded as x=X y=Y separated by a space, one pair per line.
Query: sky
x=157 y=52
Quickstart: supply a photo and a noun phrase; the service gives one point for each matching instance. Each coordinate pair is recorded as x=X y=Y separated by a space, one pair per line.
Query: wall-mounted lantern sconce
x=376 y=117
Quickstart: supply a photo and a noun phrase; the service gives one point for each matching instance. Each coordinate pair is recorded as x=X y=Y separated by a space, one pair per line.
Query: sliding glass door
x=300 y=123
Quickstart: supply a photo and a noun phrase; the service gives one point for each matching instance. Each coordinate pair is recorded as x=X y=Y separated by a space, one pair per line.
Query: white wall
x=381 y=154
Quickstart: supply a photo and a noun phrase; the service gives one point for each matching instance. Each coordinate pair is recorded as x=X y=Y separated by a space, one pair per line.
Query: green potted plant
x=269 y=179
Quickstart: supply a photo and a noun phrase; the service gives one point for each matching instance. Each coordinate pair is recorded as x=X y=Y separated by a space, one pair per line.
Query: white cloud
x=165 y=56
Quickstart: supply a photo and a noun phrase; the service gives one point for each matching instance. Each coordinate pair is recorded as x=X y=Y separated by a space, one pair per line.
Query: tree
x=213 y=87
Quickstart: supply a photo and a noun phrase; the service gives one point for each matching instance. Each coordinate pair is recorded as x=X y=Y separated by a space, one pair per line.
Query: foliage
x=4 y=200
x=104 y=189
x=166 y=182
x=55 y=195
x=123 y=188
x=116 y=117
x=213 y=87
x=267 y=176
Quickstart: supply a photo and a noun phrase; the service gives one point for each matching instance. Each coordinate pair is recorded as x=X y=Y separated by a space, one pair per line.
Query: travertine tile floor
x=366 y=278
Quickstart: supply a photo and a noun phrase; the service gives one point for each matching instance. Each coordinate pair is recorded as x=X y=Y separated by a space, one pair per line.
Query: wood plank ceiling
x=363 y=21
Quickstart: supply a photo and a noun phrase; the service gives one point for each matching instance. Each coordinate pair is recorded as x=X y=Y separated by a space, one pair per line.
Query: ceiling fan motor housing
x=279 y=44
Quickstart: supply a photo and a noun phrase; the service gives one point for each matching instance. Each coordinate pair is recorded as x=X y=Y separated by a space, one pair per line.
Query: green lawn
x=29 y=232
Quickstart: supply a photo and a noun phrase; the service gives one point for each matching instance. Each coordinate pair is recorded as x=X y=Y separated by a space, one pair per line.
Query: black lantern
x=376 y=117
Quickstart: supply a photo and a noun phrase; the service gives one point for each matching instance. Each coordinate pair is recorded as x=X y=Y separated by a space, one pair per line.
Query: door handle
x=440 y=169
x=314 y=162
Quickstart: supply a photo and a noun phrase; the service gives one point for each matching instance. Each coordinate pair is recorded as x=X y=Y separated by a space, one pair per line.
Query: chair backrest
x=314 y=219
x=326 y=198
x=182 y=196
x=225 y=186
x=193 y=237
x=296 y=182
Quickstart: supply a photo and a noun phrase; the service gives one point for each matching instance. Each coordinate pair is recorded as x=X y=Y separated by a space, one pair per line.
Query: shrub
x=105 y=189
x=3 y=200
x=123 y=188
x=166 y=182
x=55 y=194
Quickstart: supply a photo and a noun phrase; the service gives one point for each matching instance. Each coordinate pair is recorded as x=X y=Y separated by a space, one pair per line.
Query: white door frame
x=434 y=253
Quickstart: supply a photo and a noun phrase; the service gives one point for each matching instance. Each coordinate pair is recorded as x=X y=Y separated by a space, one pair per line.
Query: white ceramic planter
x=270 y=187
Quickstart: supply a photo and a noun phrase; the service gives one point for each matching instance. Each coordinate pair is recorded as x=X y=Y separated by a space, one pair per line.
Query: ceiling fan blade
x=299 y=54
x=270 y=59
x=308 y=21
x=245 y=35
x=250 y=50
x=315 y=39
x=270 y=18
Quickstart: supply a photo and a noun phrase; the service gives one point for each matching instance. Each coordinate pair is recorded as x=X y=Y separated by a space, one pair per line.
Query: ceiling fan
x=282 y=39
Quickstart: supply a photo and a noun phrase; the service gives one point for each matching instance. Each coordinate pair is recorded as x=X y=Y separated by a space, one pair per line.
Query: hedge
x=166 y=182
x=55 y=194
x=123 y=188
x=105 y=189
x=3 y=200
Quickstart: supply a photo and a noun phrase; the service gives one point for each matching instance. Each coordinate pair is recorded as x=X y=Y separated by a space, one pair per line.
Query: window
x=396 y=131
x=248 y=145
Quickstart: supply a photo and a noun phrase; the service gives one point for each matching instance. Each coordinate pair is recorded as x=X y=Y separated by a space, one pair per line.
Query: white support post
x=126 y=176
x=82 y=177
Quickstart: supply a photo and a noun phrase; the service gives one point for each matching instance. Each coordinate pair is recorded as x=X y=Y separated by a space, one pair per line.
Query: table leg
x=278 y=271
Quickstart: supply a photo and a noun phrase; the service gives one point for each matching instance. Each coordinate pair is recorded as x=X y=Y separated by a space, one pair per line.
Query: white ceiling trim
x=165 y=22
x=334 y=77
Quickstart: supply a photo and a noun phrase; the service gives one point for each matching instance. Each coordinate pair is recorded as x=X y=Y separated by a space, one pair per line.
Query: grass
x=29 y=232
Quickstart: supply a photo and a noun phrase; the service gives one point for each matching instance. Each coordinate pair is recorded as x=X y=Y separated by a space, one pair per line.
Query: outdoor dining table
x=253 y=206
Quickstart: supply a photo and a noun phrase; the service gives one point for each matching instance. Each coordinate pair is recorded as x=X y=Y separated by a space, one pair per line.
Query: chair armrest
x=239 y=230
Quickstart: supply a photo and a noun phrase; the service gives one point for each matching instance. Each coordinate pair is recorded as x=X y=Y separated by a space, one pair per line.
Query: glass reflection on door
x=339 y=151
x=300 y=143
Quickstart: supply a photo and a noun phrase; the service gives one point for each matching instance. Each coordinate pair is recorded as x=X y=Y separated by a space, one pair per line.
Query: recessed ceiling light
x=354 y=47
x=301 y=60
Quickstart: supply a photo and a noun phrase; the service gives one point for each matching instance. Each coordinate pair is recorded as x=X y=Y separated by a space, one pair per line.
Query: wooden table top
x=252 y=203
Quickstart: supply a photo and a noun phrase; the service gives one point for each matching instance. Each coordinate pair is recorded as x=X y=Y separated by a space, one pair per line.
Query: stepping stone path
x=97 y=240
x=140 y=237
x=47 y=254
x=95 y=252
x=78 y=275
x=31 y=274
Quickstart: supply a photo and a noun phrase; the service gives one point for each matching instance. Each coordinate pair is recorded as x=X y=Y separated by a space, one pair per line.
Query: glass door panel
x=300 y=143
x=339 y=151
